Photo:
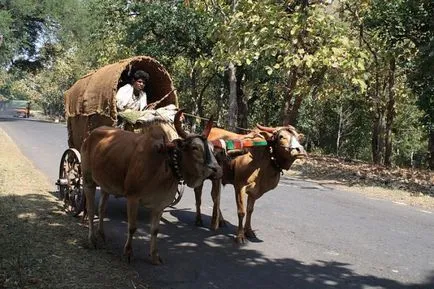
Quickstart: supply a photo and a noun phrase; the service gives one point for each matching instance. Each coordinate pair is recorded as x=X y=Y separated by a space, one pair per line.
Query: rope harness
x=273 y=156
x=175 y=156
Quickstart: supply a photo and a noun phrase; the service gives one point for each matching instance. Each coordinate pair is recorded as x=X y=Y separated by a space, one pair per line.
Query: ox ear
x=265 y=128
x=177 y=123
x=208 y=127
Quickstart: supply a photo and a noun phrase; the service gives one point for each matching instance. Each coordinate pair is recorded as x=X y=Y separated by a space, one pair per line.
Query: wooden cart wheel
x=70 y=182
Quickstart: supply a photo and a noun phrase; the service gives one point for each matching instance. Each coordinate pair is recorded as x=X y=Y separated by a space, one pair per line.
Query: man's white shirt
x=125 y=99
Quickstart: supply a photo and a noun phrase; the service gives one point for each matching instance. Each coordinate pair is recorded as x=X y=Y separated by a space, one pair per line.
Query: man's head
x=139 y=80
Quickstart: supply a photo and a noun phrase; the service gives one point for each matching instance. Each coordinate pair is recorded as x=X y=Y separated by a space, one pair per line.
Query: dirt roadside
x=403 y=186
x=42 y=247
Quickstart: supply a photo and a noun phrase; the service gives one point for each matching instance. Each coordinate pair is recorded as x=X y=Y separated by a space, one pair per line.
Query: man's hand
x=150 y=106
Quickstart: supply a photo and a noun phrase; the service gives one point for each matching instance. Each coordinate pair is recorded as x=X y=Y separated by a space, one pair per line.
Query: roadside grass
x=40 y=245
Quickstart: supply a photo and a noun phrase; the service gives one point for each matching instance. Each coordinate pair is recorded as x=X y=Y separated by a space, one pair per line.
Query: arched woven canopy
x=90 y=102
x=95 y=92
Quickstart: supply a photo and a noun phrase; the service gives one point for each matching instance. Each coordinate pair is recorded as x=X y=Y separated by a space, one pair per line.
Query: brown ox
x=144 y=168
x=254 y=173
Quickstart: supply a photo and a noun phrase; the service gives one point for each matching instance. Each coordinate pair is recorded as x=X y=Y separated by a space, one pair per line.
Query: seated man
x=132 y=96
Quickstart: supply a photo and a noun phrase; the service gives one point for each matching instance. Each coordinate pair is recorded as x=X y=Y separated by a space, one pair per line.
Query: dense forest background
x=355 y=76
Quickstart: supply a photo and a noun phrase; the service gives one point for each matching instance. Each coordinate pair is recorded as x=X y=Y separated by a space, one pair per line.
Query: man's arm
x=143 y=101
x=123 y=96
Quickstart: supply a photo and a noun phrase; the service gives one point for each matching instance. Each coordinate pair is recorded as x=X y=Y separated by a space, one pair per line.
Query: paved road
x=310 y=236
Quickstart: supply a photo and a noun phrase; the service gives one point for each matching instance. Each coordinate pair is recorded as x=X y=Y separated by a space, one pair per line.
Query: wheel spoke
x=70 y=189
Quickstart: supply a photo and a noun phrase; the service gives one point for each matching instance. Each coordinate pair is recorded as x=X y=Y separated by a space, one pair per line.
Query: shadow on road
x=9 y=118
x=197 y=257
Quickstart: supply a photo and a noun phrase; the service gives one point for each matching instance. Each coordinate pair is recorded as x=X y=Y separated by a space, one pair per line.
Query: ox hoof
x=199 y=223
x=101 y=235
x=156 y=260
x=128 y=253
x=92 y=242
x=215 y=226
x=129 y=258
x=250 y=234
x=240 y=239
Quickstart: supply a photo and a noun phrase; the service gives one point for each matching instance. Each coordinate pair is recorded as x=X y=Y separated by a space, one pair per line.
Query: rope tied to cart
x=206 y=119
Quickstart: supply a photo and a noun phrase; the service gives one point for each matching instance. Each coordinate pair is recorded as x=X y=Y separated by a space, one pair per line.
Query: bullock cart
x=91 y=103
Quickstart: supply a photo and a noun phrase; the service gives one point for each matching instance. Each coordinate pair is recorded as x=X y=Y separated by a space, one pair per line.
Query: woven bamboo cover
x=90 y=102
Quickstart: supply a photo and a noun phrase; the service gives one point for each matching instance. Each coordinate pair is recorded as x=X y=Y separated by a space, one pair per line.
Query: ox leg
x=217 y=217
x=239 y=196
x=102 y=208
x=89 y=191
x=222 y=222
x=198 y=197
x=155 y=224
x=248 y=226
x=132 y=210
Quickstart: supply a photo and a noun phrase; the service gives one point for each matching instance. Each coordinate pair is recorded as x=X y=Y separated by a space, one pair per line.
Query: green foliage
x=165 y=30
x=107 y=30
x=340 y=55
x=409 y=135
x=419 y=28
x=323 y=129
x=21 y=24
x=51 y=84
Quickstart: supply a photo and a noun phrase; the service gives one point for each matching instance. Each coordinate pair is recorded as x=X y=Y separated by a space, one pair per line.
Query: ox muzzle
x=296 y=149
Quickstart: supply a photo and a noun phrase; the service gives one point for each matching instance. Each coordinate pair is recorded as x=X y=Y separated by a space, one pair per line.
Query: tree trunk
x=338 y=138
x=295 y=110
x=220 y=101
x=267 y=116
x=378 y=137
x=194 y=95
x=431 y=148
x=233 y=107
x=289 y=114
x=377 y=142
x=390 y=113
x=232 y=78
x=241 y=101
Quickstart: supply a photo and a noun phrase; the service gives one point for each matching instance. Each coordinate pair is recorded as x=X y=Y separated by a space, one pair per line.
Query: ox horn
x=265 y=128
x=177 y=124
x=165 y=147
x=208 y=127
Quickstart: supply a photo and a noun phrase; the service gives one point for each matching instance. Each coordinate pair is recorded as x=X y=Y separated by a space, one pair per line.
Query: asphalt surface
x=309 y=236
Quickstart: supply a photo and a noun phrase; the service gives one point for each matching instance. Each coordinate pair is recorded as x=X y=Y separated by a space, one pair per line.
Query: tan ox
x=252 y=174
x=145 y=168
x=217 y=134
